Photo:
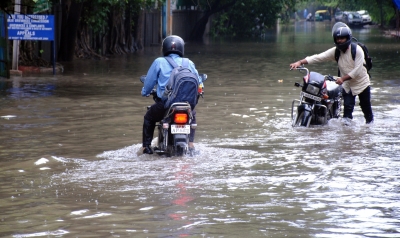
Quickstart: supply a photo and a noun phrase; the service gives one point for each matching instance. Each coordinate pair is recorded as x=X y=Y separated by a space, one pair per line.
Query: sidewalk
x=395 y=33
x=32 y=69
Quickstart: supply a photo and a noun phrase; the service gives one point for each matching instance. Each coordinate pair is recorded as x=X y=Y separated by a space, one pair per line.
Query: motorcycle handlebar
x=203 y=77
x=142 y=78
x=302 y=68
x=331 y=78
x=327 y=77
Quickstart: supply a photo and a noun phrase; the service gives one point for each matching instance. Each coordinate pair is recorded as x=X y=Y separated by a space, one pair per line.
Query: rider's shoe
x=346 y=121
x=193 y=151
x=147 y=150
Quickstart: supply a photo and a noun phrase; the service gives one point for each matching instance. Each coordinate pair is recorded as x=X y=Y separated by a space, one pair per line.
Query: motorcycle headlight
x=312 y=89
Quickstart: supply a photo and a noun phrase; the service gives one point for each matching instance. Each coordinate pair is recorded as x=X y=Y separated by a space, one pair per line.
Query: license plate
x=318 y=99
x=180 y=129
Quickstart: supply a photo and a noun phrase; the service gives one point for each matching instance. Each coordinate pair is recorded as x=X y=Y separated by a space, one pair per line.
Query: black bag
x=182 y=85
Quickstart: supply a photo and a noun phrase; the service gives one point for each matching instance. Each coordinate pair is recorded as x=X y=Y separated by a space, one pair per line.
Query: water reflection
x=20 y=88
x=71 y=167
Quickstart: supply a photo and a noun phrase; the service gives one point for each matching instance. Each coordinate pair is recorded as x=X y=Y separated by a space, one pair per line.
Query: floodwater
x=70 y=165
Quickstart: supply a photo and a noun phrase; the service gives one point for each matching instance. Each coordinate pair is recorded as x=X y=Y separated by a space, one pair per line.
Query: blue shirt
x=159 y=73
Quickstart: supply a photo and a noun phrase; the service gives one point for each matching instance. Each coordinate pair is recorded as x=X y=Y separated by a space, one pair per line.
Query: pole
x=17 y=9
x=53 y=44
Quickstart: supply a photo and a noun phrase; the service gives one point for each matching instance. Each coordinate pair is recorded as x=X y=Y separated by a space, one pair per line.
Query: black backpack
x=182 y=85
x=367 y=57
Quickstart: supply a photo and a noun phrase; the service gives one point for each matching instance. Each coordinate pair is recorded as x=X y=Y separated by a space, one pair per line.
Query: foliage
x=246 y=18
x=220 y=26
x=27 y=6
x=96 y=12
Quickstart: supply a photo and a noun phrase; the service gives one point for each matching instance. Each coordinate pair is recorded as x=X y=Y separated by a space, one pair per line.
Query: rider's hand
x=295 y=65
x=339 y=81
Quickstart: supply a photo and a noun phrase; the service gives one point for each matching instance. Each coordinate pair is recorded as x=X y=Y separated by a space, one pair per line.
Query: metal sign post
x=17 y=8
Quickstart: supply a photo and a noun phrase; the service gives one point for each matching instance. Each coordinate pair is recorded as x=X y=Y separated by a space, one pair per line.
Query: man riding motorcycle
x=159 y=74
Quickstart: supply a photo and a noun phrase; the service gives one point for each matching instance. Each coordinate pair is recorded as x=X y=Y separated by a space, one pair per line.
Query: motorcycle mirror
x=203 y=76
x=142 y=78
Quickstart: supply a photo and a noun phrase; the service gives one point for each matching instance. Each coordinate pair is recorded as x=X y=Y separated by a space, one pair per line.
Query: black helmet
x=173 y=44
x=343 y=31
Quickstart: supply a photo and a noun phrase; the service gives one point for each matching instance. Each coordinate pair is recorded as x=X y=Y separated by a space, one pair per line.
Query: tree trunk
x=198 y=30
x=116 y=42
x=71 y=13
x=138 y=30
x=130 y=43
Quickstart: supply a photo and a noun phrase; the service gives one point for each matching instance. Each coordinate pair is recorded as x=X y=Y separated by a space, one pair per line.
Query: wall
x=184 y=21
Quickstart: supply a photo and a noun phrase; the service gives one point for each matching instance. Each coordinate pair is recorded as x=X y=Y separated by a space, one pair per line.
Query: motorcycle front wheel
x=294 y=113
x=303 y=119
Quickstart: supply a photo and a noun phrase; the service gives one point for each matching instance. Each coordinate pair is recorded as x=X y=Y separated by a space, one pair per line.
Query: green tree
x=247 y=17
x=210 y=7
x=95 y=28
x=99 y=27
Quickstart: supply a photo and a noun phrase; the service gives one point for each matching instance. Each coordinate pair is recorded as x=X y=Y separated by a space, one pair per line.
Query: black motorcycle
x=174 y=128
x=320 y=99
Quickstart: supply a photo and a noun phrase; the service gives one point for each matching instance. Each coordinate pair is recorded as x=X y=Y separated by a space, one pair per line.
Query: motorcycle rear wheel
x=179 y=151
x=170 y=151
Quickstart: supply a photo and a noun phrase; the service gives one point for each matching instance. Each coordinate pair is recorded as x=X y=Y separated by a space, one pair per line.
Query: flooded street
x=70 y=165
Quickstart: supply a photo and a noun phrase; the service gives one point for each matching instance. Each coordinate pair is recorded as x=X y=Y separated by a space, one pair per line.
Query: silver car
x=366 y=18
x=352 y=19
x=338 y=15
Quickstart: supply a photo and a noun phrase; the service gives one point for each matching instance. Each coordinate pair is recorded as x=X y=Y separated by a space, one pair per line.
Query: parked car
x=352 y=19
x=322 y=15
x=338 y=16
x=366 y=18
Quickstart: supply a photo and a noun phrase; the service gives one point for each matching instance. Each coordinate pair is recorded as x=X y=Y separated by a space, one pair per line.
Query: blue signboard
x=397 y=3
x=31 y=27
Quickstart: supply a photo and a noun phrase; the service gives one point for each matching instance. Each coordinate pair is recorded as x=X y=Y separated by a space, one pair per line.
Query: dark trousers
x=155 y=114
x=364 y=97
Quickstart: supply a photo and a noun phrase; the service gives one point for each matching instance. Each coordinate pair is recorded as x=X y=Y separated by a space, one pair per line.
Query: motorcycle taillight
x=180 y=118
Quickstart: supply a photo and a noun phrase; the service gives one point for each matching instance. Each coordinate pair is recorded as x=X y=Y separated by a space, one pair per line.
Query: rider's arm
x=192 y=68
x=355 y=71
x=298 y=63
x=324 y=56
x=341 y=79
x=151 y=78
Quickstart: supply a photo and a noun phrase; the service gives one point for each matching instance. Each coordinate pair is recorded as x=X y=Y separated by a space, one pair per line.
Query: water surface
x=70 y=165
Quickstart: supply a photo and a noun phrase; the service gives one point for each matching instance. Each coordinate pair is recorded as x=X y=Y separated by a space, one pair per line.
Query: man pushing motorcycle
x=355 y=78
x=159 y=74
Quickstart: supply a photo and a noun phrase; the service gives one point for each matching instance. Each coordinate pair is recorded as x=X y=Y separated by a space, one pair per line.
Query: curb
x=32 y=69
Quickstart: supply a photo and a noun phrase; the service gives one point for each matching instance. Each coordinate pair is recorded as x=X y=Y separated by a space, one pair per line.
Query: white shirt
x=354 y=68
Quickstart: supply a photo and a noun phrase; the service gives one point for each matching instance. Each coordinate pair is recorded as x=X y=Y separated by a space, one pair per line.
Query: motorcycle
x=174 y=129
x=320 y=99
